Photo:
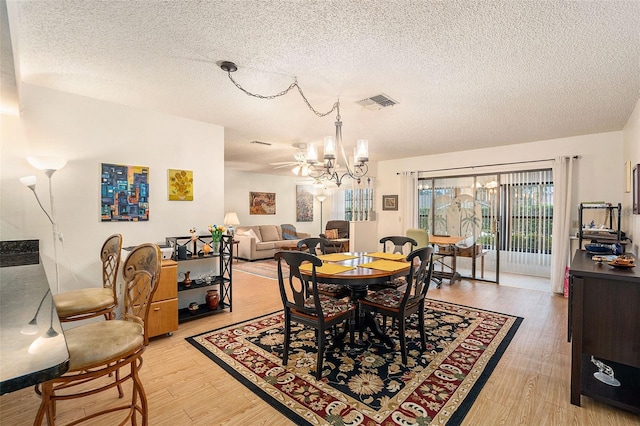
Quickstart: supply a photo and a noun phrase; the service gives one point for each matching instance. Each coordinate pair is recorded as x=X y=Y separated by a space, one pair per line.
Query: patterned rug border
x=456 y=418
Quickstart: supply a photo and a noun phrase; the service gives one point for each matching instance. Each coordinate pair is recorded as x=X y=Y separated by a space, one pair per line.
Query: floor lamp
x=321 y=198
x=49 y=166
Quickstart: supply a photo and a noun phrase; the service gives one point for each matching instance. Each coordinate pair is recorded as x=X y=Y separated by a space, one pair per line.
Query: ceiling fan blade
x=284 y=166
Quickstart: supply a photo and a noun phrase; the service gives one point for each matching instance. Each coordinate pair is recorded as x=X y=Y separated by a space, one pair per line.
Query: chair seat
x=99 y=342
x=334 y=290
x=331 y=306
x=387 y=297
x=84 y=300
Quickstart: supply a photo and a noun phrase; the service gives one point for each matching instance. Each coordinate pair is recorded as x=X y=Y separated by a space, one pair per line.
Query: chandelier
x=335 y=164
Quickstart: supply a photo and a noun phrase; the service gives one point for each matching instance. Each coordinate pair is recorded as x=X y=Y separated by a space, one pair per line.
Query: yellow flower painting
x=180 y=185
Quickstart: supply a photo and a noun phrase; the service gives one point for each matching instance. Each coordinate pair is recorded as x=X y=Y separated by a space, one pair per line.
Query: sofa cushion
x=289 y=232
x=251 y=233
x=266 y=245
x=270 y=233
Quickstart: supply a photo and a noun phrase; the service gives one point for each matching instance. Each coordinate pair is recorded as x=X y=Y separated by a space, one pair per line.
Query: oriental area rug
x=367 y=384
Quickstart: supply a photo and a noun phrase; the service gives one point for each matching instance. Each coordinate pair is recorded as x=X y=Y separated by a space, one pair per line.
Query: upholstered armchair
x=342 y=228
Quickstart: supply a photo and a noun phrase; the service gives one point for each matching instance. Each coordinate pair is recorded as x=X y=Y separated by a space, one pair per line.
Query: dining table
x=33 y=348
x=357 y=271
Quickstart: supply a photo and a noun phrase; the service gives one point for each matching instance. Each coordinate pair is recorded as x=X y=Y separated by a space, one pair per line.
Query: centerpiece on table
x=216 y=237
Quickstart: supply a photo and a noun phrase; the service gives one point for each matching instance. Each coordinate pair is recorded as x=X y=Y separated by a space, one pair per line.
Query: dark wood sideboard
x=604 y=322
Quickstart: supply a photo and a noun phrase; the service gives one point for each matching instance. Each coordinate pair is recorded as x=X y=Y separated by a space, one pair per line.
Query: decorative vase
x=187 y=281
x=215 y=247
x=213 y=299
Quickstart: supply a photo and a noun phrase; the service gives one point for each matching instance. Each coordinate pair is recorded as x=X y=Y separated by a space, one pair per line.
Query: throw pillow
x=270 y=233
x=289 y=232
x=331 y=234
x=251 y=233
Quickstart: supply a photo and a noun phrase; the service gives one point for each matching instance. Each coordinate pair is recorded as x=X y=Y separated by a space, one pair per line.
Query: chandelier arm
x=336 y=106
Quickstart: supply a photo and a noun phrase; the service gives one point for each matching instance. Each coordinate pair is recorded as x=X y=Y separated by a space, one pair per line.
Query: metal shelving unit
x=223 y=280
x=609 y=236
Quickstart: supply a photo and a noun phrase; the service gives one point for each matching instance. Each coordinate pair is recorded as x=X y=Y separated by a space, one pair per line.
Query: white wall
x=631 y=152
x=239 y=184
x=87 y=133
x=598 y=174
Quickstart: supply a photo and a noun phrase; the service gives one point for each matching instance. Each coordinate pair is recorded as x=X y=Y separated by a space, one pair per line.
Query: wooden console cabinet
x=163 y=314
x=604 y=322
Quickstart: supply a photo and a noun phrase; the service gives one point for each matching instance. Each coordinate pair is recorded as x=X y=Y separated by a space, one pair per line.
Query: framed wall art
x=180 y=185
x=262 y=203
x=124 y=193
x=304 y=203
x=389 y=202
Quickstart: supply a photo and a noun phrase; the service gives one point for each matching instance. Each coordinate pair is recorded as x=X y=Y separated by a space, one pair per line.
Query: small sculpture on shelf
x=194 y=238
x=193 y=308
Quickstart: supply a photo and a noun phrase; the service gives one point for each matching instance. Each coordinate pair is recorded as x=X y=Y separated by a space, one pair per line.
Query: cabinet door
x=163 y=317
x=168 y=284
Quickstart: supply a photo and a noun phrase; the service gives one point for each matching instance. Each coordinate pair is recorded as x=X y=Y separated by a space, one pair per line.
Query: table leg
x=368 y=321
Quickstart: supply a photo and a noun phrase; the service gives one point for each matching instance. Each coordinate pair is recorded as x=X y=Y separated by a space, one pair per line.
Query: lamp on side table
x=230 y=220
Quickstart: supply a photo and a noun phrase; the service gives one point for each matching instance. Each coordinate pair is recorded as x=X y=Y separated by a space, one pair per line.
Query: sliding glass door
x=499 y=222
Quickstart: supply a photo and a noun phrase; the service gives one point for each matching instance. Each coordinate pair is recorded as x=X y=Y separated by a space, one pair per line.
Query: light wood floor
x=530 y=385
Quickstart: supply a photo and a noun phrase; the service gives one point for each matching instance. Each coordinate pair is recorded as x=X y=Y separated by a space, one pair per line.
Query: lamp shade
x=321 y=198
x=48 y=165
x=231 y=218
x=329 y=148
x=28 y=181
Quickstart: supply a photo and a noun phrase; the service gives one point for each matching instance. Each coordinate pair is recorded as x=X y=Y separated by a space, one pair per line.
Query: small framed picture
x=389 y=202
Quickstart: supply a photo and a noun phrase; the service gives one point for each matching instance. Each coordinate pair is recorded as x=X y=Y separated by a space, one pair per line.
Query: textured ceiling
x=465 y=74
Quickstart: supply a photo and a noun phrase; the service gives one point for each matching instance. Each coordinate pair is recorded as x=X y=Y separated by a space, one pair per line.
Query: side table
x=236 y=244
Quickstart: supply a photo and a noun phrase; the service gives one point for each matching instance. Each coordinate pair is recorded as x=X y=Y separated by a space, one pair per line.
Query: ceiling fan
x=299 y=166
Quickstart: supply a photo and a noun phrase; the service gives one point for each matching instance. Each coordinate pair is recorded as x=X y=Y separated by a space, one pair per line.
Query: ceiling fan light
x=305 y=170
x=296 y=170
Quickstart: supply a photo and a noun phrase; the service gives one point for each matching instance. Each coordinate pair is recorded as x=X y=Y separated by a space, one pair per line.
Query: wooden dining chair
x=317 y=246
x=398 y=242
x=400 y=304
x=314 y=245
x=305 y=305
x=91 y=302
x=106 y=348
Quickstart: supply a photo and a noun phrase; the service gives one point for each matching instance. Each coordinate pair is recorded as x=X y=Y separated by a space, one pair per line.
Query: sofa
x=263 y=241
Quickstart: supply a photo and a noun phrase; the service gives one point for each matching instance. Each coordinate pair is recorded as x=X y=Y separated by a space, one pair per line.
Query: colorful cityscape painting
x=124 y=193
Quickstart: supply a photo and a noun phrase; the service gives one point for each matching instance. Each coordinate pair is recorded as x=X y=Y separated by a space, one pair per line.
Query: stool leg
x=139 y=390
x=46 y=406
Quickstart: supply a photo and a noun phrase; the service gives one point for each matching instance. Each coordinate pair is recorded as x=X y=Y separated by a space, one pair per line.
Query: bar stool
x=91 y=302
x=100 y=348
